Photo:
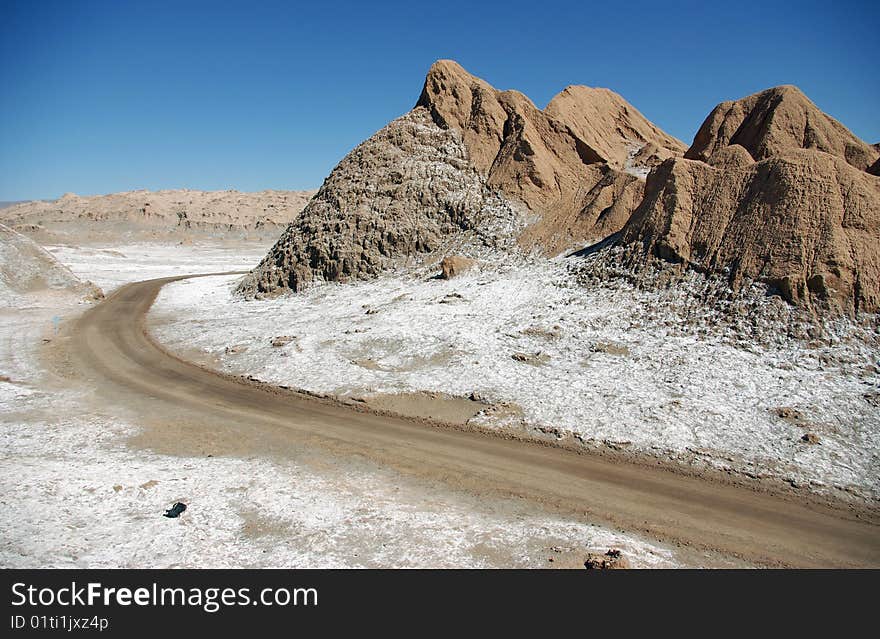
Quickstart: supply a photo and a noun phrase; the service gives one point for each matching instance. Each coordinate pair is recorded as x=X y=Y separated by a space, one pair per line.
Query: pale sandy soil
x=168 y=216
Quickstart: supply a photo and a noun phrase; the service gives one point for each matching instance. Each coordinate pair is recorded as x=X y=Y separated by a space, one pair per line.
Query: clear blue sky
x=97 y=97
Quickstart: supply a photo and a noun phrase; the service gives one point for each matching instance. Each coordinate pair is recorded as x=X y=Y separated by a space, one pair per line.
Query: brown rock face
x=805 y=218
x=456 y=99
x=805 y=222
x=599 y=208
x=774 y=121
x=577 y=163
x=613 y=127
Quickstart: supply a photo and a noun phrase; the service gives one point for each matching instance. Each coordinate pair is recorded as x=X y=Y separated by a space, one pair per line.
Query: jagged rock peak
x=400 y=195
x=601 y=120
x=579 y=164
x=805 y=222
x=774 y=121
x=611 y=125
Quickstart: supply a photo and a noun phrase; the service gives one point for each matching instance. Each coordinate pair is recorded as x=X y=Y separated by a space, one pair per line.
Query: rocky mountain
x=576 y=164
x=398 y=195
x=26 y=267
x=149 y=214
x=471 y=159
x=775 y=121
x=772 y=189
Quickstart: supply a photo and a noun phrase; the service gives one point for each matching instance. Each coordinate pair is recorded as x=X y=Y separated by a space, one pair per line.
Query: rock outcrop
x=804 y=218
x=397 y=196
x=611 y=560
x=610 y=125
x=26 y=267
x=157 y=214
x=772 y=189
x=454 y=265
x=463 y=161
x=577 y=164
x=774 y=121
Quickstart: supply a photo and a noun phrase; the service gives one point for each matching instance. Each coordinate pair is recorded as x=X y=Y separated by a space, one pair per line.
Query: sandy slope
x=26 y=267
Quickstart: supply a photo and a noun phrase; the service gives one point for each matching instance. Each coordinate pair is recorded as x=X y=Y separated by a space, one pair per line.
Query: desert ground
x=496 y=336
x=276 y=478
x=92 y=451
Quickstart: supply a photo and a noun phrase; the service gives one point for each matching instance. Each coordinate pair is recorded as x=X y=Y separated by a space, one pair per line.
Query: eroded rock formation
x=157 y=214
x=577 y=164
x=468 y=158
x=804 y=217
x=398 y=195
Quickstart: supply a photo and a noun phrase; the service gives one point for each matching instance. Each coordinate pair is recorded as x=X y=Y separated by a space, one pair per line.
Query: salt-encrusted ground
x=76 y=492
x=609 y=364
x=110 y=266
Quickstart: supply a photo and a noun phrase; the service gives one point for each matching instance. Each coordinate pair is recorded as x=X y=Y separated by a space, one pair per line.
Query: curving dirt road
x=109 y=345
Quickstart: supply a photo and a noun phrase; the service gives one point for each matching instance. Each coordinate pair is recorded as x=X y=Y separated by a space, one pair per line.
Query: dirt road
x=109 y=346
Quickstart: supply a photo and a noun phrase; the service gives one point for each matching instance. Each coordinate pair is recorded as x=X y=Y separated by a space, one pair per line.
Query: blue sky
x=97 y=97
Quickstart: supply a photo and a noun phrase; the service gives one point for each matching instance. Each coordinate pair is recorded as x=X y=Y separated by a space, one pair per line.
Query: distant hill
x=5 y=204
x=174 y=214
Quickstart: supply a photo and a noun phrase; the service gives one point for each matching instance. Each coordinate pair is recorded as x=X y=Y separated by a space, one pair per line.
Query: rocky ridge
x=773 y=122
x=771 y=190
x=157 y=214
x=577 y=164
x=470 y=163
x=398 y=196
